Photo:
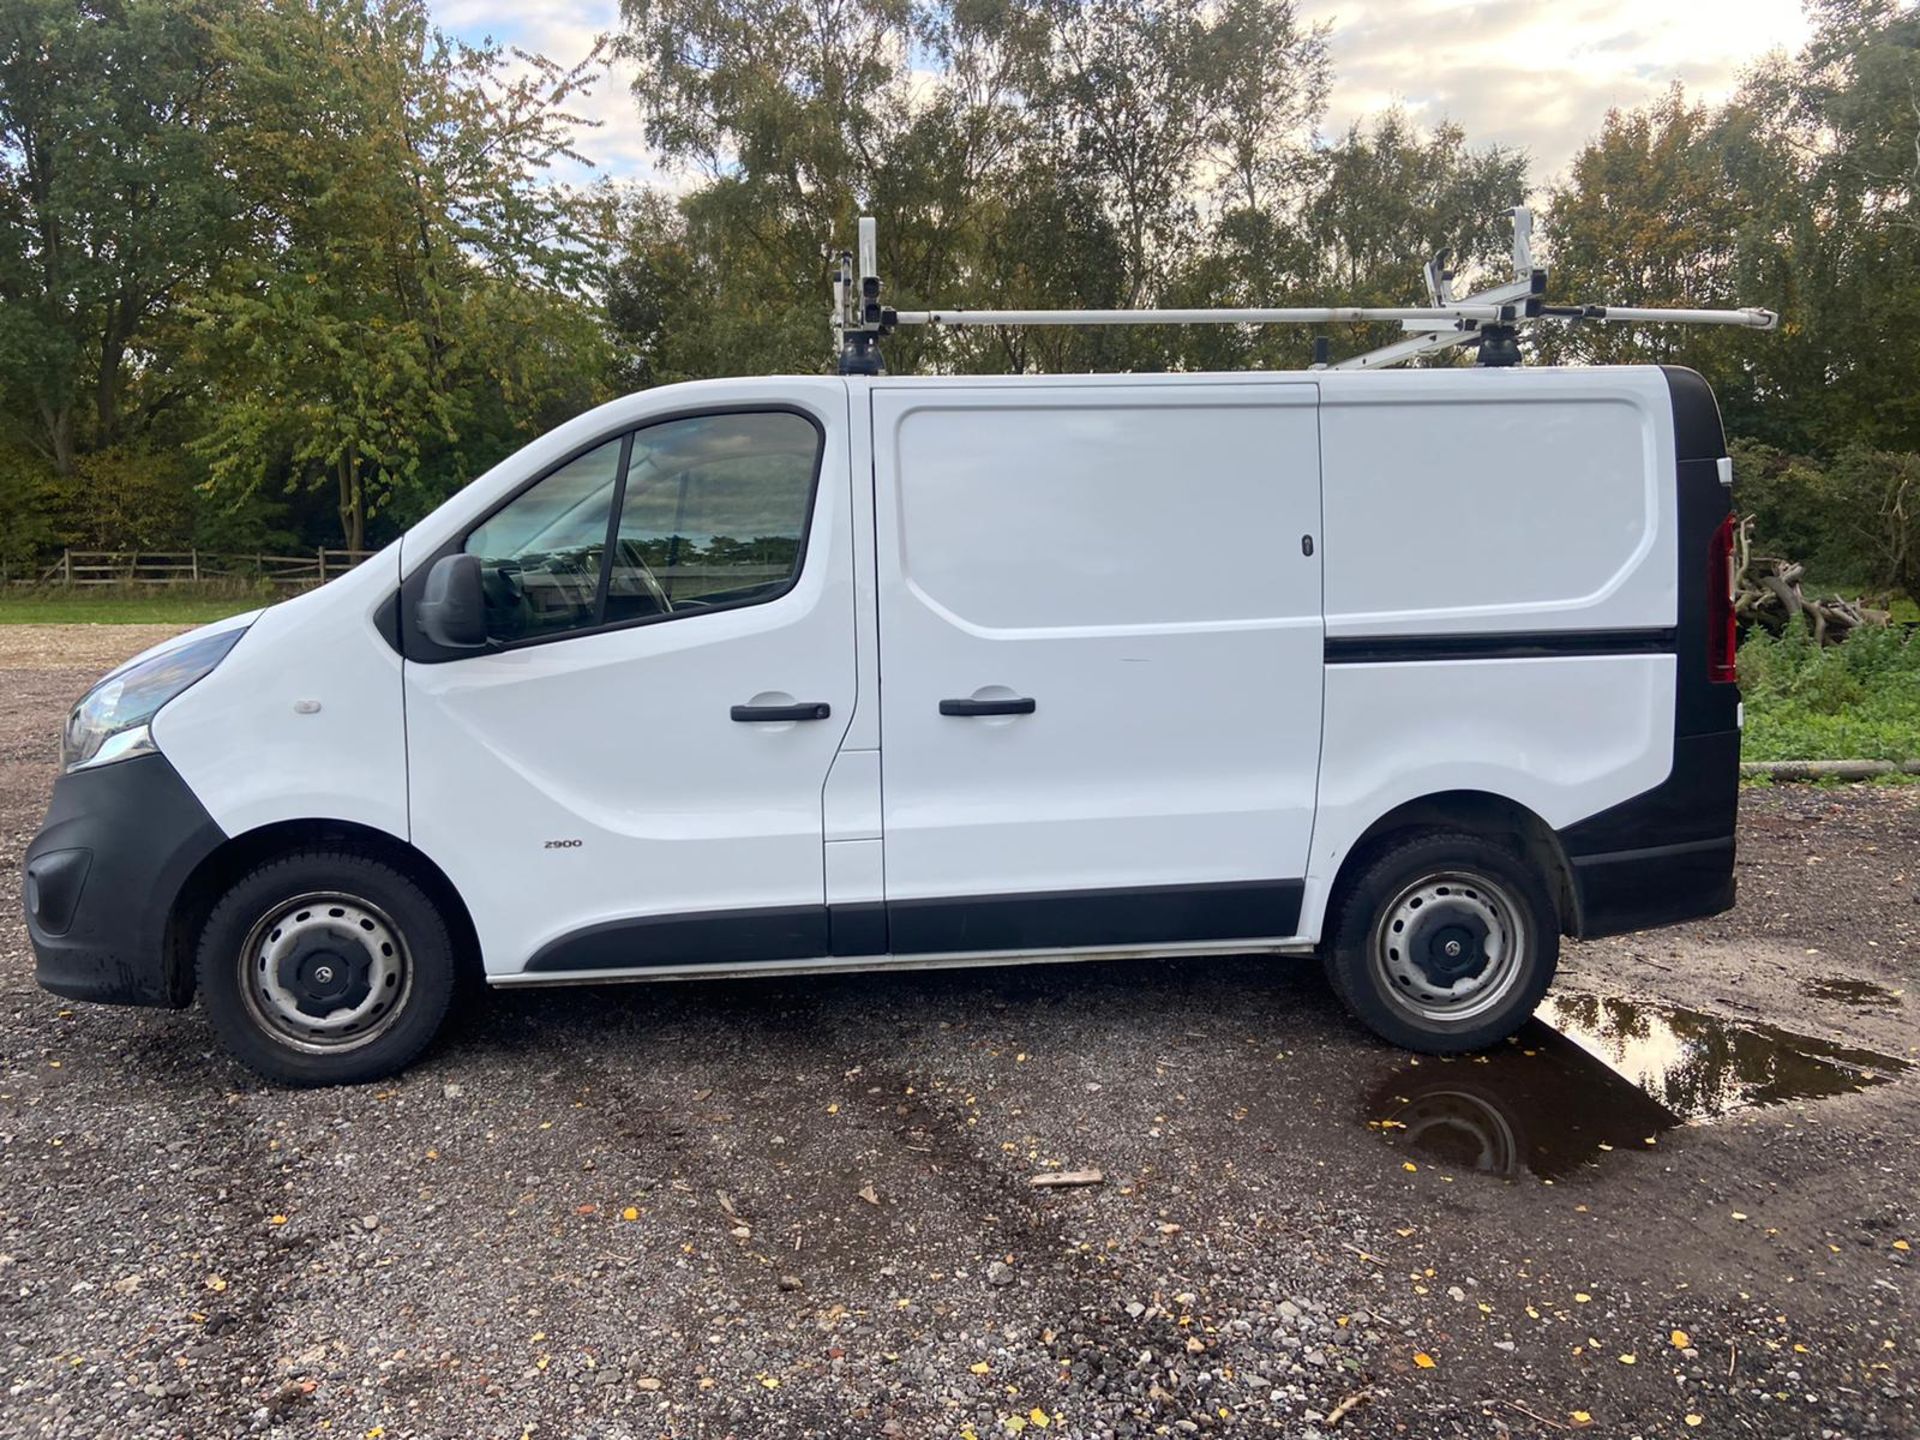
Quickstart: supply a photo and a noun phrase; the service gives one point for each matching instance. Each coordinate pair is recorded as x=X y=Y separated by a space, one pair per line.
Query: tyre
x=326 y=967
x=1444 y=942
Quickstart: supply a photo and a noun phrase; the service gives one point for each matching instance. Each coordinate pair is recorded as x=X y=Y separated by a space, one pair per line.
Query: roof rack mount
x=1489 y=319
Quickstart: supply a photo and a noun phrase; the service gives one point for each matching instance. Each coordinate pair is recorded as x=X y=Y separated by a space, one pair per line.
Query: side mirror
x=453 y=608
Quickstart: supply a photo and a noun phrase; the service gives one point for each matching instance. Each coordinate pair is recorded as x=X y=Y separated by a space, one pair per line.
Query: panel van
x=1418 y=670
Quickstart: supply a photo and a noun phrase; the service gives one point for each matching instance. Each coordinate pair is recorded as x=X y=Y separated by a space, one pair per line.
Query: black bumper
x=102 y=878
x=1621 y=882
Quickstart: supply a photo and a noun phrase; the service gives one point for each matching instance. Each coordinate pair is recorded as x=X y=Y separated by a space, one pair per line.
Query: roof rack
x=1489 y=319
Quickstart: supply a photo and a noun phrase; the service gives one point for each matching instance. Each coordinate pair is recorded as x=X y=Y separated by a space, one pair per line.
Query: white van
x=1419 y=669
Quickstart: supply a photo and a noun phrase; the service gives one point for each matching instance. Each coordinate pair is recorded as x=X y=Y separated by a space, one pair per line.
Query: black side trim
x=858 y=929
x=1155 y=915
x=102 y=877
x=1508 y=645
x=713 y=937
x=1149 y=915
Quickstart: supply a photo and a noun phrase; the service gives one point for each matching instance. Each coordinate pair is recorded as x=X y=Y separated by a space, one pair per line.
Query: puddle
x=1863 y=993
x=1588 y=1075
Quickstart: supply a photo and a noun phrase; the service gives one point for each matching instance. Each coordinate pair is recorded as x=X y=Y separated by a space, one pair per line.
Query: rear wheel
x=1445 y=941
x=326 y=967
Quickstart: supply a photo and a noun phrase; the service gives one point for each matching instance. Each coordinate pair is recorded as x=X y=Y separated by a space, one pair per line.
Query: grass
x=125 y=607
x=1855 y=701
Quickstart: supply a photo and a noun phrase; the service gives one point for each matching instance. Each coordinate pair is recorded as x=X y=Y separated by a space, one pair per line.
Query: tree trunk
x=59 y=428
x=353 y=501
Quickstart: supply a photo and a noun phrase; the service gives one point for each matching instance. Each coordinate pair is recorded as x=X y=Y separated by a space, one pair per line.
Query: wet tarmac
x=1591 y=1075
x=1863 y=993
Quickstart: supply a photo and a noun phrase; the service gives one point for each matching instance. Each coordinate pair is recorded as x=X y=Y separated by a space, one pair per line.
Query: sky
x=1535 y=73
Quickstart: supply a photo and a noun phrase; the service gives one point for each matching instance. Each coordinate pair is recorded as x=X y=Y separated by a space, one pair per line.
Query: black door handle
x=1020 y=705
x=810 y=710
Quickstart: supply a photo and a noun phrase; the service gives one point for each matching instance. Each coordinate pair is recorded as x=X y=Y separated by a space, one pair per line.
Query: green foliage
x=410 y=283
x=113 y=204
x=1856 y=701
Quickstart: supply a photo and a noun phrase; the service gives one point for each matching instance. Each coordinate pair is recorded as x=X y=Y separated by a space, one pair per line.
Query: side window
x=715 y=513
x=541 y=553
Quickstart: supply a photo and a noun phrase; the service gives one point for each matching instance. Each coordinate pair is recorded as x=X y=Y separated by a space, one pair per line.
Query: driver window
x=540 y=553
x=715 y=513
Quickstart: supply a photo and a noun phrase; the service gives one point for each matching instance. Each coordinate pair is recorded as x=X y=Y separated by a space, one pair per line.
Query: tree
x=113 y=206
x=410 y=276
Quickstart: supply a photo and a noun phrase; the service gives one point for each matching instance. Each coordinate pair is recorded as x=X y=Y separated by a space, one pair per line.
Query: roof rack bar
x=1489 y=319
x=1304 y=315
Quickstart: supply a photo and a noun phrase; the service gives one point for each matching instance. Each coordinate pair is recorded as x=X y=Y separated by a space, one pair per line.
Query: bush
x=1859 y=700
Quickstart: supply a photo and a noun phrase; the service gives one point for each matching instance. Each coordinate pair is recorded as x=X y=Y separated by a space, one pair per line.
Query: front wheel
x=1444 y=942
x=326 y=967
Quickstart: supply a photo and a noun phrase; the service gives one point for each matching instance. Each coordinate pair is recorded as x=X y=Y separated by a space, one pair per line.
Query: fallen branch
x=1829 y=769
x=1056 y=1179
x=1339 y=1412
x=1768 y=592
x=1533 y=1415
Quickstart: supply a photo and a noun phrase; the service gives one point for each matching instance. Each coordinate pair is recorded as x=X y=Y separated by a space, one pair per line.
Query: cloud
x=1541 y=75
x=1532 y=73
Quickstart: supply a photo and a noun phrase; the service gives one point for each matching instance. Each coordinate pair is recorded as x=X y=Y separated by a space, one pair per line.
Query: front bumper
x=103 y=876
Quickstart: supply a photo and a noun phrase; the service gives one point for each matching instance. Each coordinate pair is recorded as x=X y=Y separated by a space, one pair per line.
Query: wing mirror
x=453 y=608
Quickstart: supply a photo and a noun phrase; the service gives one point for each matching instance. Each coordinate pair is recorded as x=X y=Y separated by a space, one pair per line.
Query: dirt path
x=802 y=1208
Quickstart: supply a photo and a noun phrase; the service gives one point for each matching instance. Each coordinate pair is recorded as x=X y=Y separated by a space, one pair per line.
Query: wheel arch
x=1478 y=812
x=212 y=877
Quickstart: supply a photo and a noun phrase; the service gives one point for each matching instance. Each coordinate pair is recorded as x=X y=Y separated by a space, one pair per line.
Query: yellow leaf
x=1409 y=1166
x=541 y=1363
x=769 y=1382
x=1695 y=1420
x=215 y=1283
x=1901 y=1245
x=629 y=1213
x=1403 y=1234
x=1629 y=1359
x=980 y=1367
x=276 y=1220
x=1681 y=1340
x=376 y=1432
x=833 y=1109
x=1582 y=1297
x=538 y=1336
x=1423 y=1360
x=1039 y=1417
x=1581 y=1417
x=1015 y=1424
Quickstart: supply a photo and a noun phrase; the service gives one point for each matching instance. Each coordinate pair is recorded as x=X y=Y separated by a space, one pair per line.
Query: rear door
x=1101 y=661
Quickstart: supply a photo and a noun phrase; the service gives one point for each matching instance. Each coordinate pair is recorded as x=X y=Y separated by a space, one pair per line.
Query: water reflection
x=1589 y=1074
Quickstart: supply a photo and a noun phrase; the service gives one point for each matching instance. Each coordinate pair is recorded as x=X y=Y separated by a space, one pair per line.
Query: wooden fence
x=191 y=567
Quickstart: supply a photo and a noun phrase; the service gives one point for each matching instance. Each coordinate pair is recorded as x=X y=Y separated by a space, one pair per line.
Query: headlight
x=110 y=722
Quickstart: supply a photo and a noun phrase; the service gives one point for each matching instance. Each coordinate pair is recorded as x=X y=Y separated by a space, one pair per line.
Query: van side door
x=628 y=776
x=1101 y=659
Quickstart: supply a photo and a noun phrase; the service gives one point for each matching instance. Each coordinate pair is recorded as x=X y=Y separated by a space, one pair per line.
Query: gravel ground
x=803 y=1207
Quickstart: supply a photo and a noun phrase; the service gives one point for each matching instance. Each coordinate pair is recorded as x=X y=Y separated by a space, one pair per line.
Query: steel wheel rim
x=325 y=973
x=1412 y=947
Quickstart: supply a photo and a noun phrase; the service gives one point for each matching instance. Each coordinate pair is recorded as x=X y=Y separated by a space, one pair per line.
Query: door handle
x=1019 y=705
x=809 y=710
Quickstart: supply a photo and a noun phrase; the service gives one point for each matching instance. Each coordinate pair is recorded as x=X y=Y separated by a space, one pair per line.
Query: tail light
x=1720 y=624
